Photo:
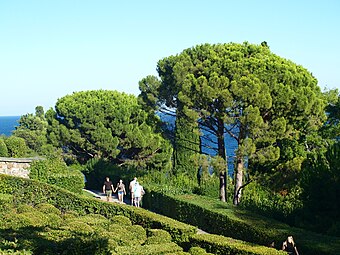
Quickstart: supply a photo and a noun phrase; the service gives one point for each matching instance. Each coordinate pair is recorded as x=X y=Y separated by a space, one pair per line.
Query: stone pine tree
x=246 y=91
x=108 y=125
x=155 y=97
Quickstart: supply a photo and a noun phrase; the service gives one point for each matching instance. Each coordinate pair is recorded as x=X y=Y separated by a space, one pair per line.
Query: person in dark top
x=107 y=189
x=289 y=246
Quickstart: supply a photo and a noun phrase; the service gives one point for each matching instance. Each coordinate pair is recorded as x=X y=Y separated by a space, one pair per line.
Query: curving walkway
x=102 y=196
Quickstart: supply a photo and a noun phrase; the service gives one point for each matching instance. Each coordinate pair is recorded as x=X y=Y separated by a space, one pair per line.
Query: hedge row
x=73 y=181
x=218 y=218
x=217 y=244
x=43 y=229
x=54 y=171
x=34 y=192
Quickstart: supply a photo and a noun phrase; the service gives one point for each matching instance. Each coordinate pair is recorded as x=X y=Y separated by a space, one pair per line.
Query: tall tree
x=109 y=125
x=185 y=137
x=246 y=91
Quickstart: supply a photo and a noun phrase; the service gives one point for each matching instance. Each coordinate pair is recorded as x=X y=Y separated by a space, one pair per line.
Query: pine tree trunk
x=238 y=181
x=223 y=192
x=222 y=153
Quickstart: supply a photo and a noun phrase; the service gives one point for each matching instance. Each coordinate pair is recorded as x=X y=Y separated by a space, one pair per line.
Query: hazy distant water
x=8 y=124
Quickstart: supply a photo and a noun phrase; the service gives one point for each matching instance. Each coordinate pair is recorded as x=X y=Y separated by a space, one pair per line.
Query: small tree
x=16 y=147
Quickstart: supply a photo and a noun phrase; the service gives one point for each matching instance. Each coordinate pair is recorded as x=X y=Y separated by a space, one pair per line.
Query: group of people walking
x=136 y=191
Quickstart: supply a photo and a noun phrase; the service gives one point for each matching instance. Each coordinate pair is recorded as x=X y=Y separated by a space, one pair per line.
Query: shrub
x=138 y=233
x=151 y=249
x=16 y=147
x=121 y=220
x=47 y=208
x=224 y=245
x=157 y=236
x=3 y=148
x=198 y=251
x=54 y=171
x=5 y=201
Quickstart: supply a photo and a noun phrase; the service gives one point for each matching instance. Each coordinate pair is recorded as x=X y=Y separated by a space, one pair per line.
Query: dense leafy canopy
x=244 y=90
x=108 y=125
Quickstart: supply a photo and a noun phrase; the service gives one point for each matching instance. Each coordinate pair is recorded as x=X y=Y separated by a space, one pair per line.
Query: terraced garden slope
x=45 y=219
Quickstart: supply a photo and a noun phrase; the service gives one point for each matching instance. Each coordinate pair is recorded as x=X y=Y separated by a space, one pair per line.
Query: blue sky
x=49 y=49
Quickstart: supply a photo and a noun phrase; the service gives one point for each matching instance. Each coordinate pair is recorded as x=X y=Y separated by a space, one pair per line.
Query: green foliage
x=169 y=184
x=54 y=171
x=224 y=245
x=158 y=236
x=96 y=170
x=280 y=206
x=3 y=148
x=321 y=190
x=220 y=218
x=25 y=190
x=16 y=147
x=32 y=128
x=148 y=249
x=108 y=125
x=244 y=90
x=121 y=220
x=5 y=201
x=186 y=146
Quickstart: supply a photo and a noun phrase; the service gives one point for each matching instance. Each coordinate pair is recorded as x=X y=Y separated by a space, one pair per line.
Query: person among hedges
x=108 y=188
x=121 y=191
x=131 y=187
x=289 y=246
x=138 y=192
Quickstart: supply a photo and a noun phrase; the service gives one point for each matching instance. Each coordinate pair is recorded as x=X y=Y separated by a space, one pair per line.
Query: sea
x=8 y=124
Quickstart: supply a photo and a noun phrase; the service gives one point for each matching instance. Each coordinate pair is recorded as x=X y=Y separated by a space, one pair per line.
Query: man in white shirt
x=131 y=188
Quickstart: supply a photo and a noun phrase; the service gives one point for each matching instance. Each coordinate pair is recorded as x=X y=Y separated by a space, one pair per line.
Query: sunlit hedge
x=219 y=218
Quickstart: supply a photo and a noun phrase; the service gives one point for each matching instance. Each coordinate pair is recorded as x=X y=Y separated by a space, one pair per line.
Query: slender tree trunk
x=223 y=192
x=238 y=180
x=222 y=153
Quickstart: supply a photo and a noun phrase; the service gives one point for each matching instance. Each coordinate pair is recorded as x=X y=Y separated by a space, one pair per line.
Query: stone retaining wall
x=16 y=166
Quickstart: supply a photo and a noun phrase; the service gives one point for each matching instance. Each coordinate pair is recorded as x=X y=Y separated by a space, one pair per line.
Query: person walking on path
x=289 y=246
x=108 y=188
x=131 y=187
x=121 y=191
x=138 y=192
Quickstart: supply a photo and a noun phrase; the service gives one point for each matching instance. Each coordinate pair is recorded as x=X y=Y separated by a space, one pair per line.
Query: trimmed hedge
x=54 y=171
x=34 y=192
x=220 y=218
x=223 y=245
x=151 y=249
